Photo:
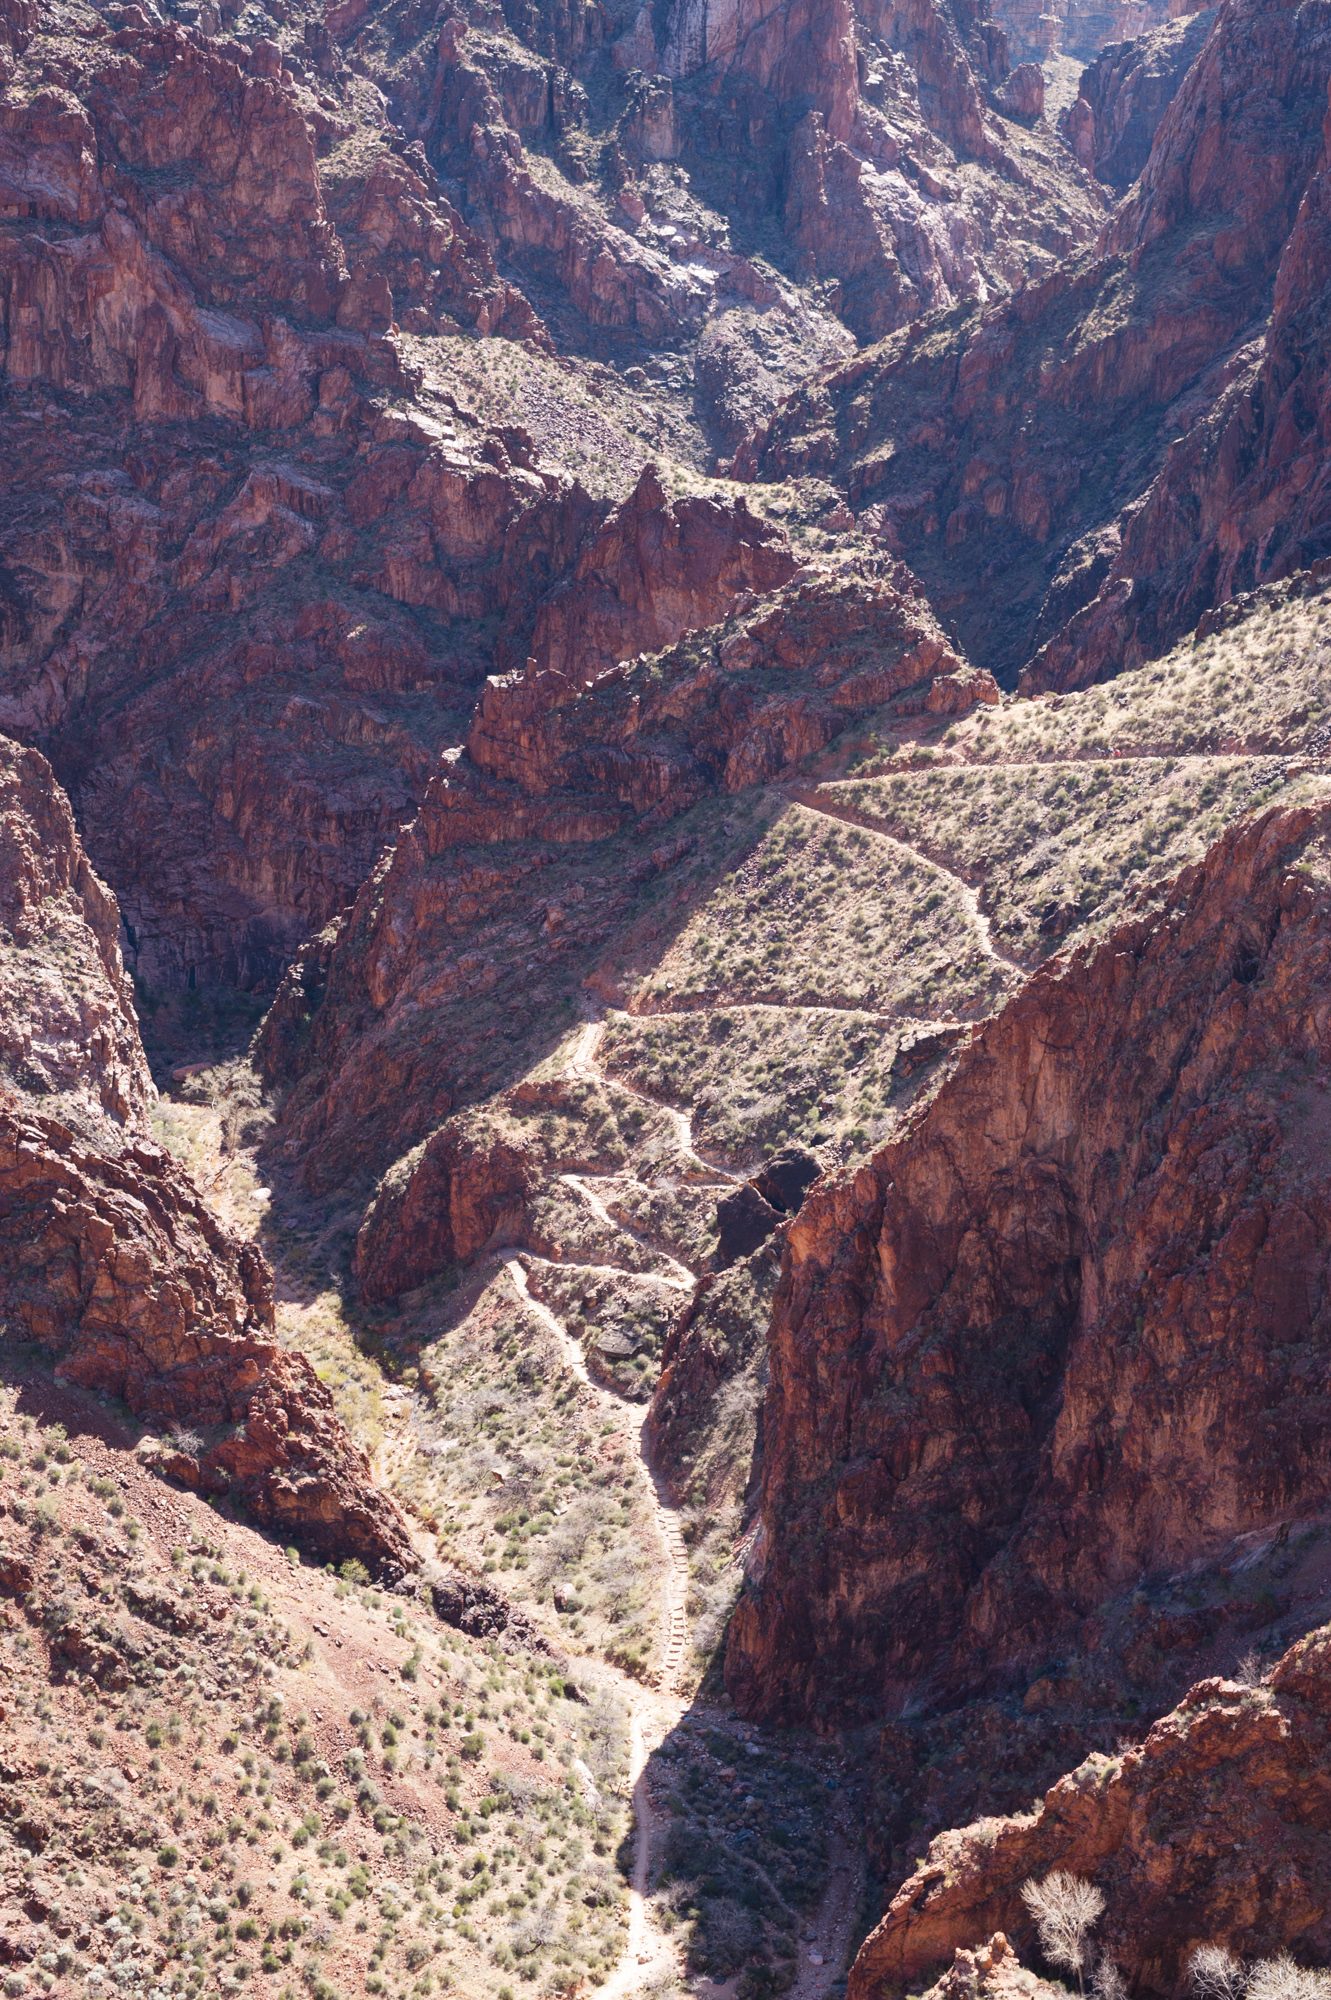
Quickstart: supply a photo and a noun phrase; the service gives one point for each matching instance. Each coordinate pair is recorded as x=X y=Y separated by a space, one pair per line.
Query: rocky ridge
x=114 y=1265
x=1058 y=406
x=1137 y=1823
x=716 y=1031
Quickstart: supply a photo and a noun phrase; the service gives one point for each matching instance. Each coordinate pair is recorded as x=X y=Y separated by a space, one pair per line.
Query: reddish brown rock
x=110 y=1261
x=243 y=655
x=1112 y=122
x=1037 y=29
x=1143 y=1825
x=399 y=230
x=253 y=559
x=67 y=1007
x=1021 y=93
x=15 y=1574
x=711 y=1373
x=1067 y=1330
x=1089 y=25
x=1007 y=457
x=728 y=708
x=863 y=136
x=328 y=615
x=653 y=571
x=1240 y=500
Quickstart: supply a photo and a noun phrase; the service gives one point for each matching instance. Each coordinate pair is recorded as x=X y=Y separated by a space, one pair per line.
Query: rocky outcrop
x=471 y=1605
x=1143 y=1826
x=1037 y=29
x=653 y=571
x=243 y=602
x=267 y=655
x=727 y=708
x=468 y=1187
x=1241 y=499
x=701 y=1428
x=1004 y=457
x=67 y=1007
x=397 y=227
x=199 y=295
x=1112 y=122
x=901 y=187
x=441 y=1205
x=1067 y=1330
x=110 y=1260
x=533 y=850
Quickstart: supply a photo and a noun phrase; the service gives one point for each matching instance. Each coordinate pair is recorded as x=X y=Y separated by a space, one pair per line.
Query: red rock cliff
x=1072 y=1326
x=1009 y=457
x=110 y=1261
x=1215 y=1829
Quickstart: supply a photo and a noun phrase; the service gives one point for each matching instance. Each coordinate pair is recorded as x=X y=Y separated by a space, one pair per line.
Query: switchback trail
x=678 y=1277
x=817 y=802
x=648 y=1953
x=583 y=1065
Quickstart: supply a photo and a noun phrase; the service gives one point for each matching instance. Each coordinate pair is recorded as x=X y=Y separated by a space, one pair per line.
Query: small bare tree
x=1281 y=1979
x=1215 y=1974
x=1066 y=1909
x=1107 y=1982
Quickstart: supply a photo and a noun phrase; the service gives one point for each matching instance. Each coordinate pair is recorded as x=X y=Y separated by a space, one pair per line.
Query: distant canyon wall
x=1037 y=29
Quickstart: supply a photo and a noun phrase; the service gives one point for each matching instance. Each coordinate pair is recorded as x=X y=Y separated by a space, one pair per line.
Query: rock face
x=1239 y=501
x=70 y=1029
x=654 y=571
x=531 y=850
x=110 y=1261
x=1039 y=28
x=862 y=140
x=1068 y=1329
x=1141 y=1826
x=1011 y=458
x=243 y=579
x=1112 y=123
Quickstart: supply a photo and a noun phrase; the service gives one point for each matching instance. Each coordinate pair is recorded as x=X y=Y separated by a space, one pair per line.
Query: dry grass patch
x=820 y=914
x=531 y=1480
x=1060 y=845
x=759 y=1077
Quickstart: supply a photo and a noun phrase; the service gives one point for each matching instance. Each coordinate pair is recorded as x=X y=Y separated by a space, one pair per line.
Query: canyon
x=665 y=858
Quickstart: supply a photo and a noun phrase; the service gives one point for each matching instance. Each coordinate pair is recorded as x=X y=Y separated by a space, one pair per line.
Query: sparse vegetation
x=1066 y=1908
x=1215 y=1973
